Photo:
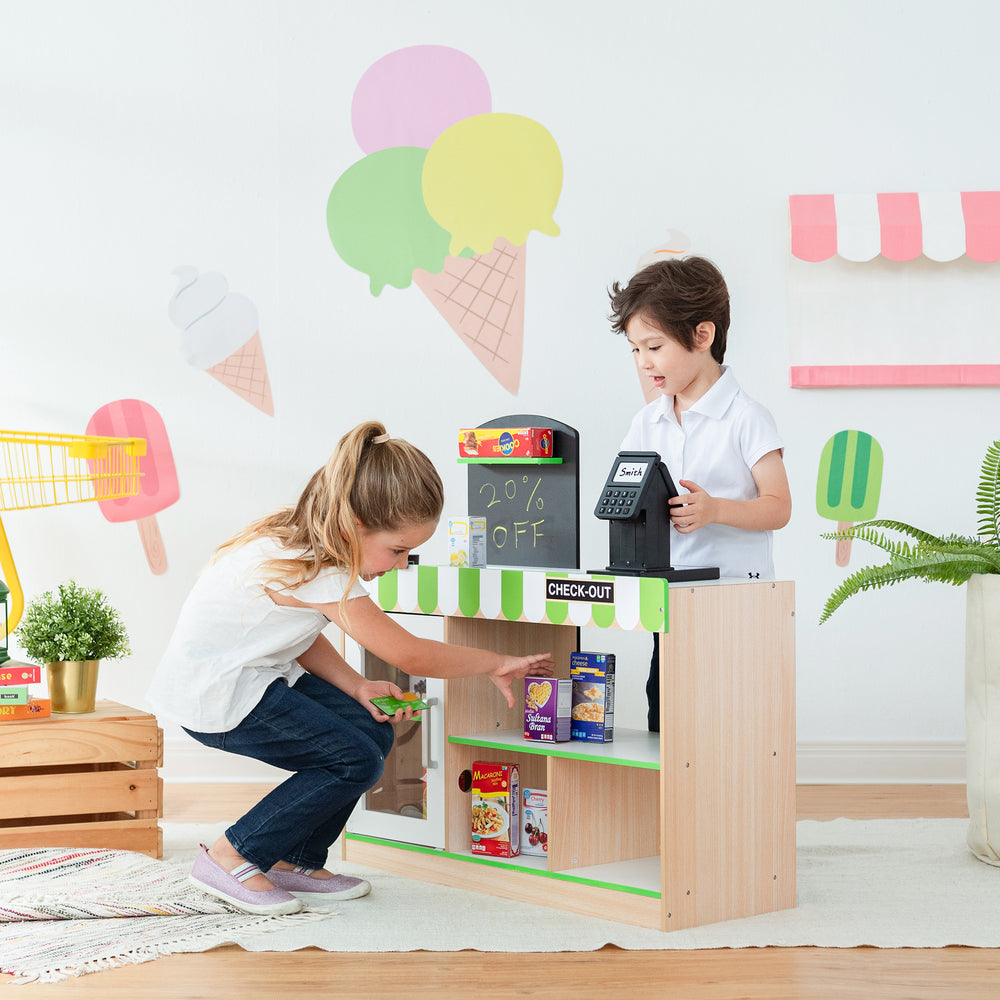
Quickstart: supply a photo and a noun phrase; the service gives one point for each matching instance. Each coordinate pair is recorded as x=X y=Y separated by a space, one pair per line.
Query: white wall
x=139 y=136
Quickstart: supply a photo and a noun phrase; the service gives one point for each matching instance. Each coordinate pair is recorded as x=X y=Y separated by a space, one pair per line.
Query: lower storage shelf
x=605 y=891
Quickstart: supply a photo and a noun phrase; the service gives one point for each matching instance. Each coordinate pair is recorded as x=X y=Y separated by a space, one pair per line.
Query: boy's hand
x=693 y=510
x=515 y=667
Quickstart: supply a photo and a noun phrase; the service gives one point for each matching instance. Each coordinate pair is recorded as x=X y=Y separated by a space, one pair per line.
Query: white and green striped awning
x=558 y=598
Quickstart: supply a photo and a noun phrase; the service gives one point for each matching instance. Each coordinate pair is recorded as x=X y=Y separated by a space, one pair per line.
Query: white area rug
x=883 y=883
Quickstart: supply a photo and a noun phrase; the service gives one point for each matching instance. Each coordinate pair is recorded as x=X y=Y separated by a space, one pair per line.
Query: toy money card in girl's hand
x=389 y=705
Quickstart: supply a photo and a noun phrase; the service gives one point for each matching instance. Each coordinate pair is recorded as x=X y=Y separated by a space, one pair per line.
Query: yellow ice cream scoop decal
x=491 y=176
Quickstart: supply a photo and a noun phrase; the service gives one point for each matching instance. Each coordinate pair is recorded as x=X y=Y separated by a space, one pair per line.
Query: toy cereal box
x=548 y=704
x=467 y=541
x=505 y=442
x=496 y=805
x=593 y=676
x=535 y=821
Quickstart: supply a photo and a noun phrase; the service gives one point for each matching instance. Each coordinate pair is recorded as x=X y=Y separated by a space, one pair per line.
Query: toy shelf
x=691 y=827
x=630 y=748
x=510 y=461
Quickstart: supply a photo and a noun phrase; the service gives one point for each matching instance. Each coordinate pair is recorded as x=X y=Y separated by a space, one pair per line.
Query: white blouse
x=231 y=640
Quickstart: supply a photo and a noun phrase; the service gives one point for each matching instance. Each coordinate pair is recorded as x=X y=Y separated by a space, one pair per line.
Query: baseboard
x=931 y=763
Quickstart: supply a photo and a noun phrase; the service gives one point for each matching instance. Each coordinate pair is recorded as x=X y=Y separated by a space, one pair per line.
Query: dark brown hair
x=675 y=296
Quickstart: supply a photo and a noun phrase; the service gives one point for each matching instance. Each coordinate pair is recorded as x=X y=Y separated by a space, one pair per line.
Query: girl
x=248 y=669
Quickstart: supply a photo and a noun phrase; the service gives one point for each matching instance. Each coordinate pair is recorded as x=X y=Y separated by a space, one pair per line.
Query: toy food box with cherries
x=496 y=804
x=505 y=442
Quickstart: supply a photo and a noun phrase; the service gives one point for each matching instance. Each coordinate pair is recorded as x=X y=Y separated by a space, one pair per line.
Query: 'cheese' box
x=593 y=676
x=505 y=442
x=548 y=704
x=535 y=821
x=496 y=803
x=467 y=541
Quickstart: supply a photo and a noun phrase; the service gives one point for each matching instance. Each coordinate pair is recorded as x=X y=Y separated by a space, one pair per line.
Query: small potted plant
x=71 y=632
x=956 y=559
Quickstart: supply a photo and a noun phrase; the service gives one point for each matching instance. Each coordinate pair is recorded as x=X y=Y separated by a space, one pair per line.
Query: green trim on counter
x=505 y=864
x=519 y=595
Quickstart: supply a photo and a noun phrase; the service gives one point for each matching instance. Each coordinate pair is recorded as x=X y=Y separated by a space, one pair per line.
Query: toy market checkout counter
x=690 y=826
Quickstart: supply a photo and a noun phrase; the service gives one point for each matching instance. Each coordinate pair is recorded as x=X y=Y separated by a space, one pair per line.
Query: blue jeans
x=337 y=751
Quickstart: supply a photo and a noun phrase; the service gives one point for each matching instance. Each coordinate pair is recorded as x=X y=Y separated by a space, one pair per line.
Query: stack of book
x=16 y=701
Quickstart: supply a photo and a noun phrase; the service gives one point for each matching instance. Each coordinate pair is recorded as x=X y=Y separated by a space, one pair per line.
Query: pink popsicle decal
x=158 y=487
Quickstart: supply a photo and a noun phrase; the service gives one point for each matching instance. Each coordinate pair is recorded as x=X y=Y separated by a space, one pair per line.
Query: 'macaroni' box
x=496 y=803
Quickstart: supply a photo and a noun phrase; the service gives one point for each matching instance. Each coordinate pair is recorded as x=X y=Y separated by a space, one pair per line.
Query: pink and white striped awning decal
x=899 y=226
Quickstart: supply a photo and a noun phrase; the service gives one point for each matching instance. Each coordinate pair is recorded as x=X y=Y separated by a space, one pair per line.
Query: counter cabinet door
x=407 y=803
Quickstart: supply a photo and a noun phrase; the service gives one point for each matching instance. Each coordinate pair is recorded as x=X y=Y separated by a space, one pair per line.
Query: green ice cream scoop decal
x=378 y=221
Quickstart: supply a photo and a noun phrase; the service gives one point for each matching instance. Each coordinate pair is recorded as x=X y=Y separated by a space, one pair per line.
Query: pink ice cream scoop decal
x=220 y=334
x=446 y=197
x=158 y=489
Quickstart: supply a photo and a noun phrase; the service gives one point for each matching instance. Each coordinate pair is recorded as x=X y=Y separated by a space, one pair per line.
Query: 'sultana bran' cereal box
x=496 y=805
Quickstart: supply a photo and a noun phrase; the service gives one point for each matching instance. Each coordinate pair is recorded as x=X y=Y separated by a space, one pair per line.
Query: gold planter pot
x=73 y=686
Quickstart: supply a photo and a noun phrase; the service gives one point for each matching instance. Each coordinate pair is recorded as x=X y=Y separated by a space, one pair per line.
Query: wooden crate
x=82 y=781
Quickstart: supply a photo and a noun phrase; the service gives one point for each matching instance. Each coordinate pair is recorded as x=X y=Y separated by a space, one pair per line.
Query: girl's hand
x=515 y=667
x=374 y=689
x=692 y=510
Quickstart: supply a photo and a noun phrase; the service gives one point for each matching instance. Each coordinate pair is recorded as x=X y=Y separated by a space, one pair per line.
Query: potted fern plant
x=955 y=559
x=71 y=632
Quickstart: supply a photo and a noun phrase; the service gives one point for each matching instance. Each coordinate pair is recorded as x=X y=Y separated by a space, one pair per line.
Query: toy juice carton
x=467 y=541
x=505 y=442
x=496 y=809
x=535 y=821
x=593 y=676
x=548 y=707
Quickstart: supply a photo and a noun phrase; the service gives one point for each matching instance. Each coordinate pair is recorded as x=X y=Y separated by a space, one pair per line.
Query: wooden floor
x=750 y=973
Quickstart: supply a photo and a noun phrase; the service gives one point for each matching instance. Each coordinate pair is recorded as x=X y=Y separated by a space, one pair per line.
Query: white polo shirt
x=716 y=444
x=231 y=640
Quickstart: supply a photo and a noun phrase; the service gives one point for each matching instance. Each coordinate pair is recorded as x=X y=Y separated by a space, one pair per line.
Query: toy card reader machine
x=634 y=503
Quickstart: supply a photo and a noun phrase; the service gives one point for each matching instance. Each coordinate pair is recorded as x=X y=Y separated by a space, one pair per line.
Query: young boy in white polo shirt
x=721 y=447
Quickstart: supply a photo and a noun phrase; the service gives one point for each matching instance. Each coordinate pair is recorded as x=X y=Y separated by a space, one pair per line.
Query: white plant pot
x=982 y=715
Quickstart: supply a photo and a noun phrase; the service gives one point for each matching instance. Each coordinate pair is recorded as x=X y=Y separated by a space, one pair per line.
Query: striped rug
x=68 y=912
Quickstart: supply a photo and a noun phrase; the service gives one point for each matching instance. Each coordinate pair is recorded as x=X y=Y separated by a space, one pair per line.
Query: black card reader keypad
x=617 y=501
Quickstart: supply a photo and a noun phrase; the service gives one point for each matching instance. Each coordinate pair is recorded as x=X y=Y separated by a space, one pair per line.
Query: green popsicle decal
x=849 y=482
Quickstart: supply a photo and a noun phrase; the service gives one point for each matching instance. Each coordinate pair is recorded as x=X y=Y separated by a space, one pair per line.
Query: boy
x=719 y=445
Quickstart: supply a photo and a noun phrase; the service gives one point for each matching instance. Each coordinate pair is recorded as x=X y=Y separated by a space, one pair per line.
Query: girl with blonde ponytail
x=248 y=669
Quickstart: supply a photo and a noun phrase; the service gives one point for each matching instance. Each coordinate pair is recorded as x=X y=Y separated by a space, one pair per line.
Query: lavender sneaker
x=212 y=878
x=300 y=882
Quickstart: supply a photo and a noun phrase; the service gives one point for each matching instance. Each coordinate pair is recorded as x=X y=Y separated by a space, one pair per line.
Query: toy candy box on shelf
x=505 y=442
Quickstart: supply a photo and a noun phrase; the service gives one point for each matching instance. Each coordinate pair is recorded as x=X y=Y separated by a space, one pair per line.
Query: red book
x=19 y=673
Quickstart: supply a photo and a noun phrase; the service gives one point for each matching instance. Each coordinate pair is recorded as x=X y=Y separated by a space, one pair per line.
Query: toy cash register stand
x=634 y=503
x=668 y=831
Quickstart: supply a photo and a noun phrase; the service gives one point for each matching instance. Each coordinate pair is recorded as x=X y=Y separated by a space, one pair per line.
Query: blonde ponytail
x=381 y=482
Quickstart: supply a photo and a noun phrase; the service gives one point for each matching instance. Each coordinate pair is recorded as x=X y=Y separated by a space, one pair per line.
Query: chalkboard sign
x=532 y=511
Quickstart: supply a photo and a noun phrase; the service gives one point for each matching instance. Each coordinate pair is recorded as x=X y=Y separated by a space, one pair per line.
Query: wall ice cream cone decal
x=221 y=335
x=453 y=217
x=482 y=300
x=245 y=372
